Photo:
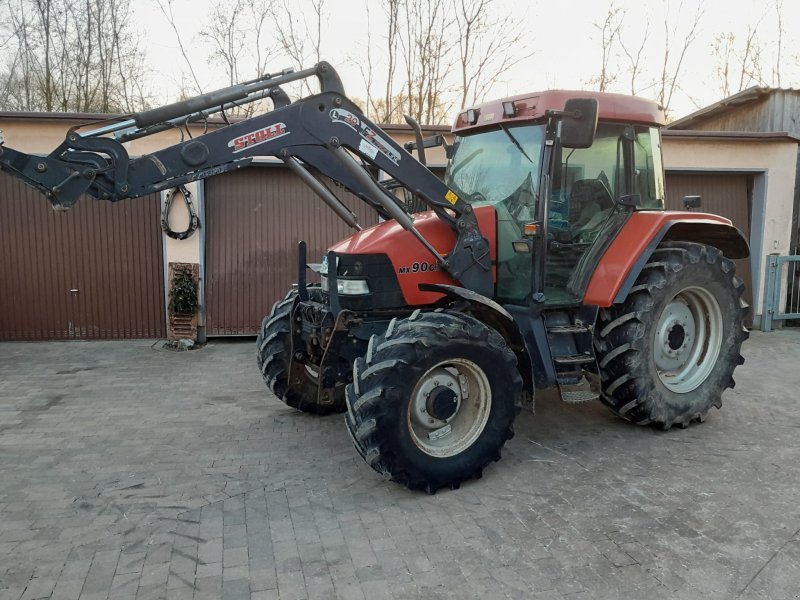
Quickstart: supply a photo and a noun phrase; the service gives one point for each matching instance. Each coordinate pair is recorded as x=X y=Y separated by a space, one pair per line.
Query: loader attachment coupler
x=60 y=182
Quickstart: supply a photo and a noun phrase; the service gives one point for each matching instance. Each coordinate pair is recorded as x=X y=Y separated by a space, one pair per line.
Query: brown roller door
x=727 y=195
x=254 y=219
x=93 y=272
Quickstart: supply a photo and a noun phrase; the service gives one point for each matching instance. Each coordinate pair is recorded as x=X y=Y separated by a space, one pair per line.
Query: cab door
x=584 y=213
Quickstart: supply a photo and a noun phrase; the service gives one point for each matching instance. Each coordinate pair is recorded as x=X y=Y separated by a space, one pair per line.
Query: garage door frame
x=757 y=221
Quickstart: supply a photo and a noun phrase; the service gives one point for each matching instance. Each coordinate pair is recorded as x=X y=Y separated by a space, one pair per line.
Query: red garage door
x=723 y=194
x=254 y=219
x=93 y=272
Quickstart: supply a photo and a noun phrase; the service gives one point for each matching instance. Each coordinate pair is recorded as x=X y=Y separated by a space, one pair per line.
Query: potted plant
x=183 y=302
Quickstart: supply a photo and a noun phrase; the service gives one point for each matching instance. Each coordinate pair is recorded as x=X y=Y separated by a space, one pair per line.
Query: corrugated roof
x=744 y=97
x=764 y=136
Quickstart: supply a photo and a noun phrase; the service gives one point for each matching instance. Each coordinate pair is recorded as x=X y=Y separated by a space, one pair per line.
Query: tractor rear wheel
x=434 y=400
x=272 y=355
x=669 y=352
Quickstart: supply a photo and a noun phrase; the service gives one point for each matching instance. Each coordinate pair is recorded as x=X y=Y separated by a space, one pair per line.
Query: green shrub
x=183 y=295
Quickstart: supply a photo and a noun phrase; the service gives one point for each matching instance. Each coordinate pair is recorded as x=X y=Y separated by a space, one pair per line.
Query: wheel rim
x=688 y=339
x=312 y=374
x=449 y=408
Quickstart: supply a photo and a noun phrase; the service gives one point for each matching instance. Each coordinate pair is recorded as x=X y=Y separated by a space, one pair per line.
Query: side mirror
x=579 y=123
x=692 y=202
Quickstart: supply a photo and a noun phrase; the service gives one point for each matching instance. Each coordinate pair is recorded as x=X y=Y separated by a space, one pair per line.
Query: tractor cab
x=561 y=186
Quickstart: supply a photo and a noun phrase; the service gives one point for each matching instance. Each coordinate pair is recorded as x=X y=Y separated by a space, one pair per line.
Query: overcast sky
x=562 y=34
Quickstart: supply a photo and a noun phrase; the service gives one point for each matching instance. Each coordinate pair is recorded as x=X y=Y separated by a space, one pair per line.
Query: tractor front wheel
x=433 y=401
x=272 y=355
x=669 y=352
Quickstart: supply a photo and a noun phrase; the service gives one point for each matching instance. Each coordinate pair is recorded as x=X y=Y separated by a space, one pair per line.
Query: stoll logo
x=261 y=136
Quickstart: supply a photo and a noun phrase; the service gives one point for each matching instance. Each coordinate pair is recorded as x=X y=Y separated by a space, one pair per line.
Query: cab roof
x=532 y=106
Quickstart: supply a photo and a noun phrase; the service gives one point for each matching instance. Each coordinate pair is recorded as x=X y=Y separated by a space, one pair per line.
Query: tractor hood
x=411 y=262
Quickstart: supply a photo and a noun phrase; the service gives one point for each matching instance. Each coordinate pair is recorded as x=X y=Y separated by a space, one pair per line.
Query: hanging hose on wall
x=194 y=221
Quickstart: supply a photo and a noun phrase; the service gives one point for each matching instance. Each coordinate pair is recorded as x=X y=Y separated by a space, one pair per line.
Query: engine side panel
x=412 y=263
x=642 y=233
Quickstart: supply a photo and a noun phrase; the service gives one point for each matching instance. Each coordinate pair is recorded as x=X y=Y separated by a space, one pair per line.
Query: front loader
x=545 y=259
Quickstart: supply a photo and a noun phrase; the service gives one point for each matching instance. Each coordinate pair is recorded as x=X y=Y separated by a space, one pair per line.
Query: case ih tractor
x=545 y=258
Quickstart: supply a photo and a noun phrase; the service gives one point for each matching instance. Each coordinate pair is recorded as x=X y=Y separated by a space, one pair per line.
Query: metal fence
x=783 y=282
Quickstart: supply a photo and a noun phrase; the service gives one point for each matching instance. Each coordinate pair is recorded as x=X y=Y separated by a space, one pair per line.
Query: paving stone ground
x=132 y=472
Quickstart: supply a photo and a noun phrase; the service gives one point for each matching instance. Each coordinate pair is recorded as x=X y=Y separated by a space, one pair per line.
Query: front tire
x=272 y=356
x=433 y=401
x=667 y=355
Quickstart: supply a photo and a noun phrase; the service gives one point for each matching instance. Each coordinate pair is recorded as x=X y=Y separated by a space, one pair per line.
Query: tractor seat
x=587 y=198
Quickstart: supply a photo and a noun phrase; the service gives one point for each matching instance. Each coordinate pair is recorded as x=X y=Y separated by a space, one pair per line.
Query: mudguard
x=497 y=317
x=645 y=230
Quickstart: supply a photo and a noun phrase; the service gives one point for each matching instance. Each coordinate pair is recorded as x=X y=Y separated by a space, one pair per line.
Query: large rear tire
x=272 y=355
x=667 y=355
x=434 y=400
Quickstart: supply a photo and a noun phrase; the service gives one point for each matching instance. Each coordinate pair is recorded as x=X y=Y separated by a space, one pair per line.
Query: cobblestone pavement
x=127 y=471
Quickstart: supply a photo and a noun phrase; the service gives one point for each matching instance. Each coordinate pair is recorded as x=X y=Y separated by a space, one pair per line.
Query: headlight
x=348 y=287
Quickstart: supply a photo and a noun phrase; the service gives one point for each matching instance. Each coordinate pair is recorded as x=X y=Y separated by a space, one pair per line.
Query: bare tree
x=676 y=44
x=722 y=48
x=300 y=38
x=430 y=43
x=635 y=57
x=392 y=9
x=166 y=9
x=71 y=55
x=739 y=66
x=367 y=68
x=776 y=71
x=235 y=32
x=751 y=71
x=609 y=36
x=422 y=42
x=227 y=37
x=260 y=10
x=387 y=107
x=484 y=55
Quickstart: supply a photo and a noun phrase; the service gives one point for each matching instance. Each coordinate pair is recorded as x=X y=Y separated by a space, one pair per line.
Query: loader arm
x=325 y=131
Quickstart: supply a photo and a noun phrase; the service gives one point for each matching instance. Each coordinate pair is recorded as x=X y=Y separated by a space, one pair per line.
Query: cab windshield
x=500 y=166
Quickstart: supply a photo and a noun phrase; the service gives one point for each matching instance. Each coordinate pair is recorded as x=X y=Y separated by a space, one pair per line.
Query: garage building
x=100 y=270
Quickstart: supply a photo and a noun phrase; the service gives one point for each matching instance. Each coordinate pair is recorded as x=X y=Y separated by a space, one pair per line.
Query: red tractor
x=545 y=258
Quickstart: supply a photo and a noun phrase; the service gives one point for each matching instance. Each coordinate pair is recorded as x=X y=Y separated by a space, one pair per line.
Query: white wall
x=776 y=158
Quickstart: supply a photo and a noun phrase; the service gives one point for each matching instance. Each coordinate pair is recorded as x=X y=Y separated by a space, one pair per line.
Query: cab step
x=574 y=359
x=568 y=329
x=578 y=396
x=577 y=390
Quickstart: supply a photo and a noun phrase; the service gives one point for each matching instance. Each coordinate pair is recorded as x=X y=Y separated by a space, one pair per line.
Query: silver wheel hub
x=449 y=408
x=437 y=400
x=688 y=339
x=675 y=336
